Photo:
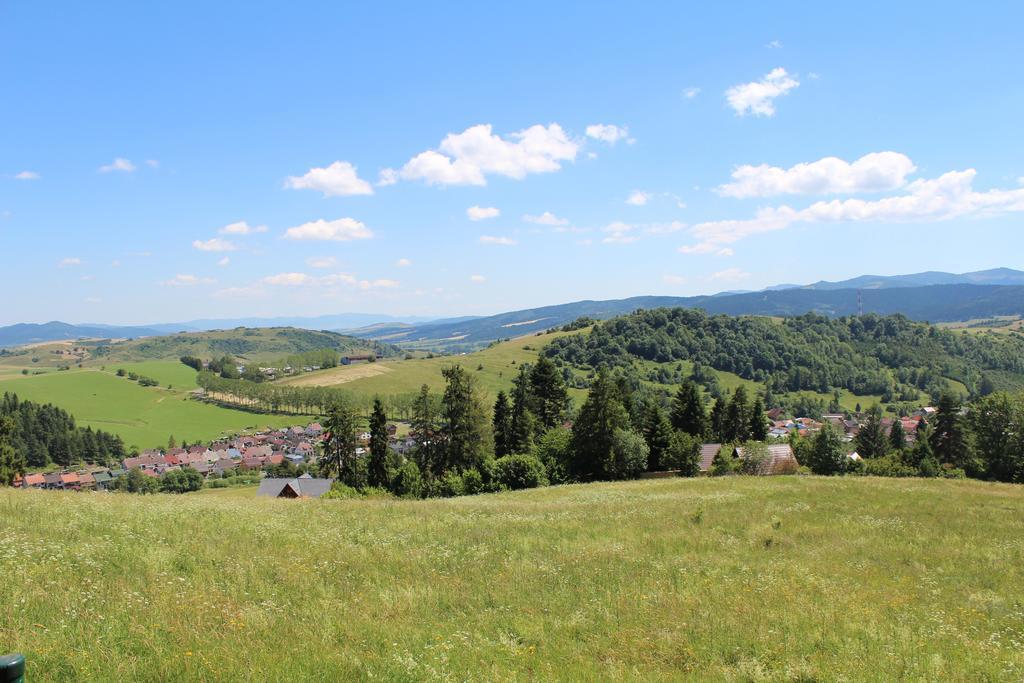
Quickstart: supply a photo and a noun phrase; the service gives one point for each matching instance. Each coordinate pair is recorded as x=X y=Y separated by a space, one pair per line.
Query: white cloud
x=609 y=133
x=321 y=261
x=673 y=279
x=403 y=263
x=152 y=163
x=774 y=44
x=757 y=97
x=378 y=284
x=118 y=164
x=874 y=172
x=27 y=175
x=477 y=278
x=182 y=280
x=619 y=233
x=239 y=293
x=69 y=261
x=241 y=228
x=466 y=158
x=638 y=198
x=546 y=218
x=951 y=195
x=224 y=261
x=340 y=230
x=690 y=93
x=387 y=176
x=288 y=279
x=664 y=228
x=502 y=241
x=93 y=300
x=337 y=180
x=730 y=275
x=214 y=244
x=479 y=213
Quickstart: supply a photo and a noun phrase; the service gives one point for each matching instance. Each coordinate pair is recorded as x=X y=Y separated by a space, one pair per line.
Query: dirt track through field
x=339 y=375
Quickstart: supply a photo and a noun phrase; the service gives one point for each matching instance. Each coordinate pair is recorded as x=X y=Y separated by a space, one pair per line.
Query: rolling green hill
x=737 y=578
x=267 y=344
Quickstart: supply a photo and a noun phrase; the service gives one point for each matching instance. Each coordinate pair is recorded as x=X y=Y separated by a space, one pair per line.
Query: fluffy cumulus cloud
x=241 y=228
x=619 y=233
x=185 y=280
x=337 y=180
x=875 y=172
x=500 y=241
x=479 y=213
x=690 y=93
x=730 y=275
x=951 y=195
x=214 y=244
x=288 y=280
x=546 y=218
x=27 y=175
x=638 y=198
x=328 y=283
x=321 y=262
x=340 y=230
x=69 y=261
x=758 y=97
x=403 y=263
x=477 y=278
x=609 y=133
x=467 y=158
x=118 y=164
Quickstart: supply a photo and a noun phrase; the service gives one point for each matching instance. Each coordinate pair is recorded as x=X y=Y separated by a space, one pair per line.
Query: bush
x=683 y=454
x=888 y=466
x=520 y=472
x=184 y=480
x=407 y=482
x=450 y=485
x=472 y=482
x=554 y=450
x=629 y=454
x=340 y=491
x=724 y=464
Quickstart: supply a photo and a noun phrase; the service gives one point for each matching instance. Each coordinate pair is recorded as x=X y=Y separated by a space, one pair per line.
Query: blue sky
x=187 y=160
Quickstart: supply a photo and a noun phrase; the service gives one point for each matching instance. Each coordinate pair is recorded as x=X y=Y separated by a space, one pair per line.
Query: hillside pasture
x=789 y=578
x=142 y=416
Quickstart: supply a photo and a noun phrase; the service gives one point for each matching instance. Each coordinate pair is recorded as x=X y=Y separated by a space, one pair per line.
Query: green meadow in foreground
x=736 y=578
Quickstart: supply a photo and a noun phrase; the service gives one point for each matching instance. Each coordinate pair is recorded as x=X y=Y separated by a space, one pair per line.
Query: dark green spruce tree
x=549 y=394
x=658 y=435
x=377 y=474
x=758 y=421
x=502 y=425
x=872 y=441
x=593 y=433
x=688 y=413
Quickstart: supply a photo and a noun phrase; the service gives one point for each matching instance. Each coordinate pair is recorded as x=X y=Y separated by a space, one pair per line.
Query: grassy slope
x=857 y=579
x=143 y=417
x=500 y=365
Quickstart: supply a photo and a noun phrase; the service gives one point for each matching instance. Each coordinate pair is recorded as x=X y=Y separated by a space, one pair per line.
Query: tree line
x=38 y=435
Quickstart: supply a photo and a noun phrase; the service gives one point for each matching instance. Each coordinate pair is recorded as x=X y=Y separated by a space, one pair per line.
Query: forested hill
x=870 y=354
x=46 y=434
x=263 y=344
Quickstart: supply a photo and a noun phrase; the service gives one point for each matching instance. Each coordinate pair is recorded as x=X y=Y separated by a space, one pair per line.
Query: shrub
x=450 y=485
x=888 y=466
x=520 y=472
x=554 y=450
x=629 y=454
x=407 y=482
x=472 y=482
x=724 y=464
x=340 y=491
x=683 y=454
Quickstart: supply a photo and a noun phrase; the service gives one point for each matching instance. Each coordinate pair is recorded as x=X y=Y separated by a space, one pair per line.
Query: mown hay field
x=704 y=579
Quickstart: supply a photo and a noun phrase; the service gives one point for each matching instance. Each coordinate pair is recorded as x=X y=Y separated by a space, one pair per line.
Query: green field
x=792 y=578
x=143 y=416
x=494 y=367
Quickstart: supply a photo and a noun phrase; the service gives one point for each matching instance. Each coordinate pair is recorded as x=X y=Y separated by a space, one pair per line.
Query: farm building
x=779 y=460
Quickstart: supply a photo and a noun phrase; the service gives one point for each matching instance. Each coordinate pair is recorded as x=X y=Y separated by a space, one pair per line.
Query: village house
x=779 y=459
x=300 y=487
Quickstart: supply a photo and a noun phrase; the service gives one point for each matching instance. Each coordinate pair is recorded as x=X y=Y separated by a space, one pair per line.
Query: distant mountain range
x=934 y=303
x=932 y=296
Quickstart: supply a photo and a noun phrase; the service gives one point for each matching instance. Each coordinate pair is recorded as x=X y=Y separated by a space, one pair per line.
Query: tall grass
x=707 y=579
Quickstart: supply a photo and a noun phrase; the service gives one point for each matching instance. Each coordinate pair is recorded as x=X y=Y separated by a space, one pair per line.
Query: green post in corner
x=12 y=669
